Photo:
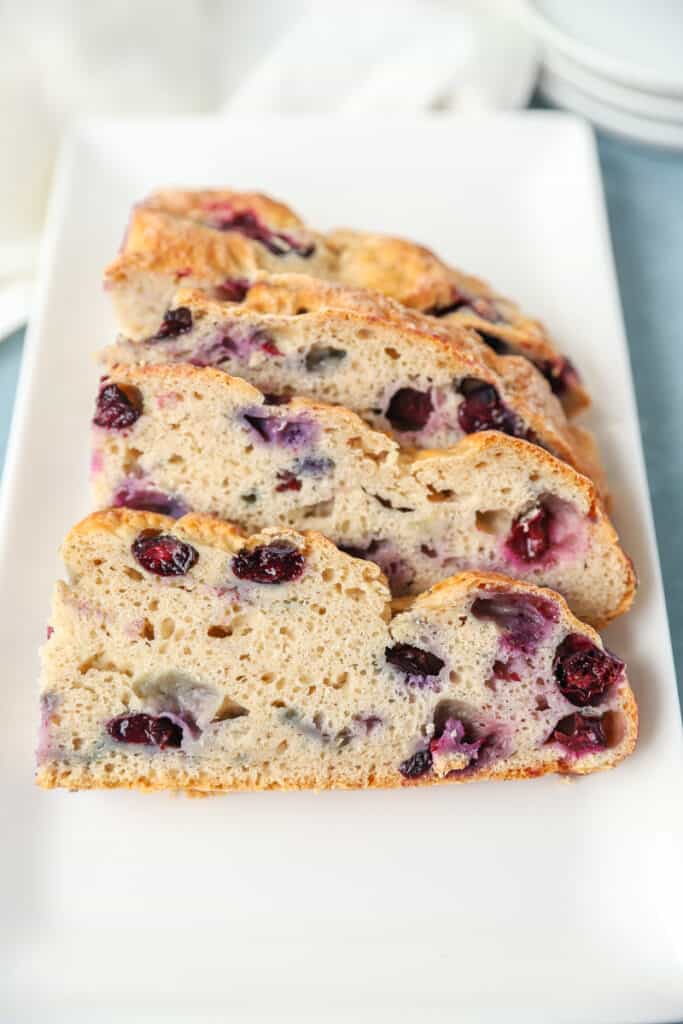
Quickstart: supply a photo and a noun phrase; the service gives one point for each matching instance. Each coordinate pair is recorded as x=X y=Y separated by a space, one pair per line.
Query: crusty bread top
x=170 y=233
x=189 y=203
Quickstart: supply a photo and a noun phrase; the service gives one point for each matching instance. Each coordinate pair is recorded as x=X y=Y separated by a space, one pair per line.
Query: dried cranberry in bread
x=203 y=441
x=293 y=334
x=185 y=656
x=220 y=238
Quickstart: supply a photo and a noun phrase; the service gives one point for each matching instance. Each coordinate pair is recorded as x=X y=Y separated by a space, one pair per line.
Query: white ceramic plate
x=524 y=902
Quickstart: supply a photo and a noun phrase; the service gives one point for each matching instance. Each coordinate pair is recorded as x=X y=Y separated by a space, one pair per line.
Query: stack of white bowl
x=617 y=62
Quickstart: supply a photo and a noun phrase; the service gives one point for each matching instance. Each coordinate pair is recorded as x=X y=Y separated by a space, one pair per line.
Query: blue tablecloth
x=645 y=201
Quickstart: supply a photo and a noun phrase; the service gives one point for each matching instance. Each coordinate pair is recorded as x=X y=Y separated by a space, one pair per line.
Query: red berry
x=118 y=407
x=163 y=554
x=413 y=660
x=175 y=322
x=409 y=409
x=584 y=673
x=482 y=409
x=529 y=538
x=278 y=562
x=160 y=731
x=419 y=764
x=579 y=734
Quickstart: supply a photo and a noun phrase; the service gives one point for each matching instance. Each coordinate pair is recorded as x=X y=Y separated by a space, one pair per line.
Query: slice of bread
x=183 y=656
x=219 y=238
x=293 y=334
x=200 y=440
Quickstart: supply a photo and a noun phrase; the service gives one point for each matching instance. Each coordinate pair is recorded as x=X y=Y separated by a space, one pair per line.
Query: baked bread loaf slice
x=217 y=239
x=182 y=655
x=179 y=438
x=292 y=334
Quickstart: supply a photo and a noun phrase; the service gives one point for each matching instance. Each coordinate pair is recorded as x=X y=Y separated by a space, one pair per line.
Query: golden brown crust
x=181 y=249
x=169 y=224
x=123 y=521
x=185 y=203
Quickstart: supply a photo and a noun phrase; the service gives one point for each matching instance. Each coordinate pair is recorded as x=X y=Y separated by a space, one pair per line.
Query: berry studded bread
x=218 y=239
x=295 y=335
x=180 y=438
x=184 y=656
x=416 y=277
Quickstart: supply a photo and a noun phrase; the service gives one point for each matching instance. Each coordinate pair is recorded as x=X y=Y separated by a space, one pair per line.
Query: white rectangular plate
x=533 y=901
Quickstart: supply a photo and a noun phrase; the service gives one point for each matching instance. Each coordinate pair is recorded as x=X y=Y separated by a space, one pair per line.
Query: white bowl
x=655 y=132
x=637 y=43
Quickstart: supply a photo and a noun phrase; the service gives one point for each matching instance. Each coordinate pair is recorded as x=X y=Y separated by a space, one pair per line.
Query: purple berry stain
x=247 y=223
x=453 y=740
x=524 y=619
x=289 y=433
x=233 y=341
x=146 y=499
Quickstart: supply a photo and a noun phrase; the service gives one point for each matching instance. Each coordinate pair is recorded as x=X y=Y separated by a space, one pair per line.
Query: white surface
x=523 y=902
x=635 y=42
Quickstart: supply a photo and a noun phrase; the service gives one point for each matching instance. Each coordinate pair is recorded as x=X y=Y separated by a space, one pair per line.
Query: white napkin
x=353 y=56
x=403 y=55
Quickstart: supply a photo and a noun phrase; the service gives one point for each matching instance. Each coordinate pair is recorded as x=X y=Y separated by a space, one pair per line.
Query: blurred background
x=618 y=63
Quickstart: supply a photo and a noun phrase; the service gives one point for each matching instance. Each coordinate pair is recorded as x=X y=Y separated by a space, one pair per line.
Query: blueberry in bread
x=218 y=239
x=203 y=441
x=183 y=655
x=292 y=334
